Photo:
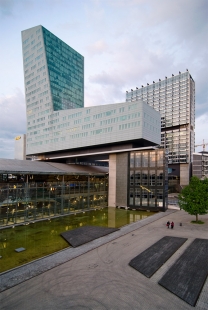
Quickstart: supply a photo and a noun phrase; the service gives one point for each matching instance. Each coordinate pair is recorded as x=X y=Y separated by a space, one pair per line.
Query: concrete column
x=184 y=174
x=112 y=181
x=118 y=179
x=121 y=179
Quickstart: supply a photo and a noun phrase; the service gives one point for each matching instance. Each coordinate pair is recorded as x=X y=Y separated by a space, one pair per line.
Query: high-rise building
x=57 y=122
x=61 y=129
x=53 y=71
x=174 y=98
x=54 y=80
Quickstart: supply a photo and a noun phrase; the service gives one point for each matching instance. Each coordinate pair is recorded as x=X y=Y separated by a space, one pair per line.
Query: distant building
x=20 y=147
x=200 y=165
x=174 y=98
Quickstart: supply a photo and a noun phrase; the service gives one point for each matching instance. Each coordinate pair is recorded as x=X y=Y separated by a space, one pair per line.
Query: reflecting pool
x=43 y=238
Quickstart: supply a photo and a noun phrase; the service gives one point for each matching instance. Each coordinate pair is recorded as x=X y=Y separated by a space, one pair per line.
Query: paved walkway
x=97 y=275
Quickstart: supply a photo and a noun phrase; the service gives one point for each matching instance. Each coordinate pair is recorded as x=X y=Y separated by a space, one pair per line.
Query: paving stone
x=20 y=249
x=82 y=235
x=149 y=261
x=188 y=274
x=96 y=275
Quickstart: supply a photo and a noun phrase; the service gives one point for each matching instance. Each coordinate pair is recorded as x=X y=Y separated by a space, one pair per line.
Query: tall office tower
x=54 y=81
x=174 y=98
x=53 y=71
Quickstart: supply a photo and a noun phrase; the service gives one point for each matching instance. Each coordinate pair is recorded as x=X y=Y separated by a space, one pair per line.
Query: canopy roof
x=14 y=166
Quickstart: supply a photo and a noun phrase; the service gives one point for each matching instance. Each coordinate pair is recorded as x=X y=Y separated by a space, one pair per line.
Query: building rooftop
x=38 y=167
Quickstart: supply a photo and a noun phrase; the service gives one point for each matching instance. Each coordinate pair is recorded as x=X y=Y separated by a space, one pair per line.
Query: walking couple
x=170 y=224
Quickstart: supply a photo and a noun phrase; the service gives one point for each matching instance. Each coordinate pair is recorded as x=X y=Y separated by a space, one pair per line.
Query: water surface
x=43 y=238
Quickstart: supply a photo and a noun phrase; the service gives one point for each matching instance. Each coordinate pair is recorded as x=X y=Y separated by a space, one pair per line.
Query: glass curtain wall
x=25 y=198
x=174 y=98
x=66 y=72
x=148 y=183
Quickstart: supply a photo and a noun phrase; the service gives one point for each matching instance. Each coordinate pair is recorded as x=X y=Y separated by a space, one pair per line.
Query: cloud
x=124 y=46
x=13 y=112
x=105 y=79
x=9 y=8
x=98 y=47
x=6 y=148
x=201 y=131
x=6 y=7
x=157 y=39
x=12 y=121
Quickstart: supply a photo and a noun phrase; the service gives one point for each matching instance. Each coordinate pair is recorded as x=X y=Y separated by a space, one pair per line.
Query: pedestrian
x=168 y=224
x=172 y=225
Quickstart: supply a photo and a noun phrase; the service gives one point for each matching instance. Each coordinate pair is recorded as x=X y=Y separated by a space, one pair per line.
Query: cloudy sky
x=126 y=43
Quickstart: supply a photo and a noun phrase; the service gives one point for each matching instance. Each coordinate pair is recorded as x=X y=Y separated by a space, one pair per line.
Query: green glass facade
x=66 y=73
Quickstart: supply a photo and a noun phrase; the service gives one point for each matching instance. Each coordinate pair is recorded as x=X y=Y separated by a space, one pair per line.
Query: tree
x=194 y=197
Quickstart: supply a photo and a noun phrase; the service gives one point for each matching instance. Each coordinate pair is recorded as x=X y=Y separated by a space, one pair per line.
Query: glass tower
x=66 y=73
x=53 y=72
x=174 y=98
x=54 y=83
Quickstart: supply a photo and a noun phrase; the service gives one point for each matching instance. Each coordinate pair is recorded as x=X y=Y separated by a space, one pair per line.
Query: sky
x=125 y=44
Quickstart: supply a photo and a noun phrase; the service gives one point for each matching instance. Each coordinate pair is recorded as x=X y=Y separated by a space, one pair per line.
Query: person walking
x=172 y=225
x=168 y=224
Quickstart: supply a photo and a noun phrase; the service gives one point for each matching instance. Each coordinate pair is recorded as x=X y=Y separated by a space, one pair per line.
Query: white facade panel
x=20 y=147
x=97 y=125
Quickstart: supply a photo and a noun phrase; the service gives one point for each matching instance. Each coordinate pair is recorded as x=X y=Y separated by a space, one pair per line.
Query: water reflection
x=43 y=238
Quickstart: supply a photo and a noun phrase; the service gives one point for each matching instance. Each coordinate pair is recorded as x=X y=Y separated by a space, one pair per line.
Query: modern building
x=54 y=79
x=200 y=165
x=174 y=98
x=56 y=118
x=60 y=129
x=20 y=147
x=76 y=132
x=148 y=180
x=33 y=190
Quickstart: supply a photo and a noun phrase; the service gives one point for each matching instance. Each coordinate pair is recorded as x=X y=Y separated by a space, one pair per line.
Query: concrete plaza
x=97 y=275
